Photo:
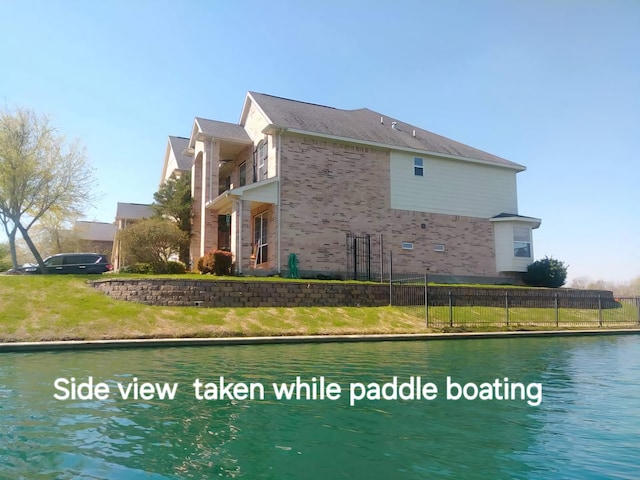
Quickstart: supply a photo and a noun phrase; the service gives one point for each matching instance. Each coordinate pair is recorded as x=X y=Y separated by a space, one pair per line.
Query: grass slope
x=47 y=308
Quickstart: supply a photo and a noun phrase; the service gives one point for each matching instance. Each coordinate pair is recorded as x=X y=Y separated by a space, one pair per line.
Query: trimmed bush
x=218 y=262
x=176 y=267
x=205 y=263
x=140 y=267
x=547 y=272
x=222 y=262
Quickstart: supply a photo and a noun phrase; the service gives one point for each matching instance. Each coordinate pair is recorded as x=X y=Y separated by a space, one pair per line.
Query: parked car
x=70 y=263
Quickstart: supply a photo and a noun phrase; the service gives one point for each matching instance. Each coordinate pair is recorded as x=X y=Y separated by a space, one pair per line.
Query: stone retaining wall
x=238 y=293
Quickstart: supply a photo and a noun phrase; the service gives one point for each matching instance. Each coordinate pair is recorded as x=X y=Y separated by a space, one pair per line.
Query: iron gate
x=359 y=257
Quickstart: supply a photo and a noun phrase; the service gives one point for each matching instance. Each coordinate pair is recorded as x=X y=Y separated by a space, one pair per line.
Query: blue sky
x=550 y=84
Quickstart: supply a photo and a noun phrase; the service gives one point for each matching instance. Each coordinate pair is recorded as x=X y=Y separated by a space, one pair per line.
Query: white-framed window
x=418 y=166
x=438 y=247
x=407 y=245
x=522 y=242
x=260 y=243
x=263 y=157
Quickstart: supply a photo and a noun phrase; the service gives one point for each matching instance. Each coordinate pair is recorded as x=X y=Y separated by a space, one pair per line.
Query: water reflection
x=585 y=425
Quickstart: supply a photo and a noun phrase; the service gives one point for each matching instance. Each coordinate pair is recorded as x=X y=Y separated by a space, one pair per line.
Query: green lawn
x=44 y=308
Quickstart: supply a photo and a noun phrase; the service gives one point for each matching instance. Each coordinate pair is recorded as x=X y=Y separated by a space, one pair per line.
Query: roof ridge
x=296 y=101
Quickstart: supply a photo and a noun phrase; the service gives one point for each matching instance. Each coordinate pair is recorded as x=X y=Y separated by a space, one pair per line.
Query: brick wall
x=330 y=188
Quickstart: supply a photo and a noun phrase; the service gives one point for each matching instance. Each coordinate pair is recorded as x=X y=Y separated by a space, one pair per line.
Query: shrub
x=5 y=260
x=140 y=267
x=205 y=263
x=176 y=267
x=547 y=272
x=218 y=262
x=222 y=262
x=152 y=241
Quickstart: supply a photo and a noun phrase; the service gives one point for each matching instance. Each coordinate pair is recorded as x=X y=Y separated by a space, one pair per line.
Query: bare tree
x=39 y=173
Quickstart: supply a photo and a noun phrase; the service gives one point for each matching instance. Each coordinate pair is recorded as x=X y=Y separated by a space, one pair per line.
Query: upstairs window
x=242 y=174
x=418 y=166
x=263 y=156
x=522 y=242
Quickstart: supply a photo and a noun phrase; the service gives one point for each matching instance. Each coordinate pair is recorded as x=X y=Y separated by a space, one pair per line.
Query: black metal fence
x=442 y=307
x=359 y=257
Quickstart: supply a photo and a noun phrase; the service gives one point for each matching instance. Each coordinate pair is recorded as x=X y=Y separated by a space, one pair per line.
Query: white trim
x=512 y=166
x=533 y=222
x=245 y=110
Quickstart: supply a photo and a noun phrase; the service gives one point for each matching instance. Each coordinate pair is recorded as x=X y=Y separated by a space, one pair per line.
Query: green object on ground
x=293 y=266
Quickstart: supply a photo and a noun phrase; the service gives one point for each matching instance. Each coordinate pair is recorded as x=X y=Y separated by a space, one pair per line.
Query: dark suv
x=71 y=263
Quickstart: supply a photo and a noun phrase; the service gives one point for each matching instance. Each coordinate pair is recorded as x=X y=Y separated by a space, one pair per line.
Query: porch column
x=209 y=191
x=196 y=193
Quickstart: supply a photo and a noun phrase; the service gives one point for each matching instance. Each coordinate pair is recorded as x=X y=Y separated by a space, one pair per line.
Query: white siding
x=506 y=261
x=452 y=187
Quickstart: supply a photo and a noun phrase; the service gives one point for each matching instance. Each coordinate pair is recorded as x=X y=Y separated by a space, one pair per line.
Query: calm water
x=587 y=426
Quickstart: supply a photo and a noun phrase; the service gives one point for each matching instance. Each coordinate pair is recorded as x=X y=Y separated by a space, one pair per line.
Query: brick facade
x=320 y=188
x=329 y=189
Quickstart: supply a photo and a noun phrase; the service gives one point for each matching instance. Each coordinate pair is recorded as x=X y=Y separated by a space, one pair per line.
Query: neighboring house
x=175 y=161
x=127 y=214
x=94 y=237
x=345 y=190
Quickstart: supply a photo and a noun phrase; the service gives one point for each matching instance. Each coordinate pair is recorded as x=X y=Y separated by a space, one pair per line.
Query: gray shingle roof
x=95 y=231
x=179 y=145
x=364 y=125
x=133 y=210
x=223 y=130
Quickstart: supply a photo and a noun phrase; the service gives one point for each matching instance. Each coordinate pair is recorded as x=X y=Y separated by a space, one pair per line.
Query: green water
x=587 y=425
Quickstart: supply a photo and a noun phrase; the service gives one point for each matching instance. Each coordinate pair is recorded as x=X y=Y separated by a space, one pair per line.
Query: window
x=263 y=154
x=242 y=174
x=438 y=247
x=522 y=242
x=260 y=238
x=418 y=166
x=407 y=246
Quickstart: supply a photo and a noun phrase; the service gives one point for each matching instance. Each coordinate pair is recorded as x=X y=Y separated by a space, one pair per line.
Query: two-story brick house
x=344 y=190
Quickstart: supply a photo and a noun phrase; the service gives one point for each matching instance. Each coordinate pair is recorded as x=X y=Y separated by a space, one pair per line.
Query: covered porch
x=251 y=225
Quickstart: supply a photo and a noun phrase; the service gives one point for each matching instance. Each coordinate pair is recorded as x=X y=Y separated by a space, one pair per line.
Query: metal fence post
x=450 y=310
x=426 y=298
x=599 y=311
x=506 y=304
x=390 y=277
x=557 y=311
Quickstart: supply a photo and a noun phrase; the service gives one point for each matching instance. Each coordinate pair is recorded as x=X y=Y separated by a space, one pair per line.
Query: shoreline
x=294 y=339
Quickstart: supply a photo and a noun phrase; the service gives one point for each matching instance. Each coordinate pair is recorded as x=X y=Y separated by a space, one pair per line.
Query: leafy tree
x=547 y=272
x=152 y=241
x=39 y=174
x=55 y=234
x=173 y=200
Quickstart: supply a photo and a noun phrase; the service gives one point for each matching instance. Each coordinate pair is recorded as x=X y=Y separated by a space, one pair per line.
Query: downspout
x=239 y=229
x=279 y=207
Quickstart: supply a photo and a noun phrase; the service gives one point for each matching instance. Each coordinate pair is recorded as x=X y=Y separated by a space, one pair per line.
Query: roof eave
x=511 y=165
x=245 y=109
x=532 y=221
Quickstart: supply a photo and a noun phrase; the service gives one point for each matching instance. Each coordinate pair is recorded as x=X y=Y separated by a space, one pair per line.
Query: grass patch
x=47 y=308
